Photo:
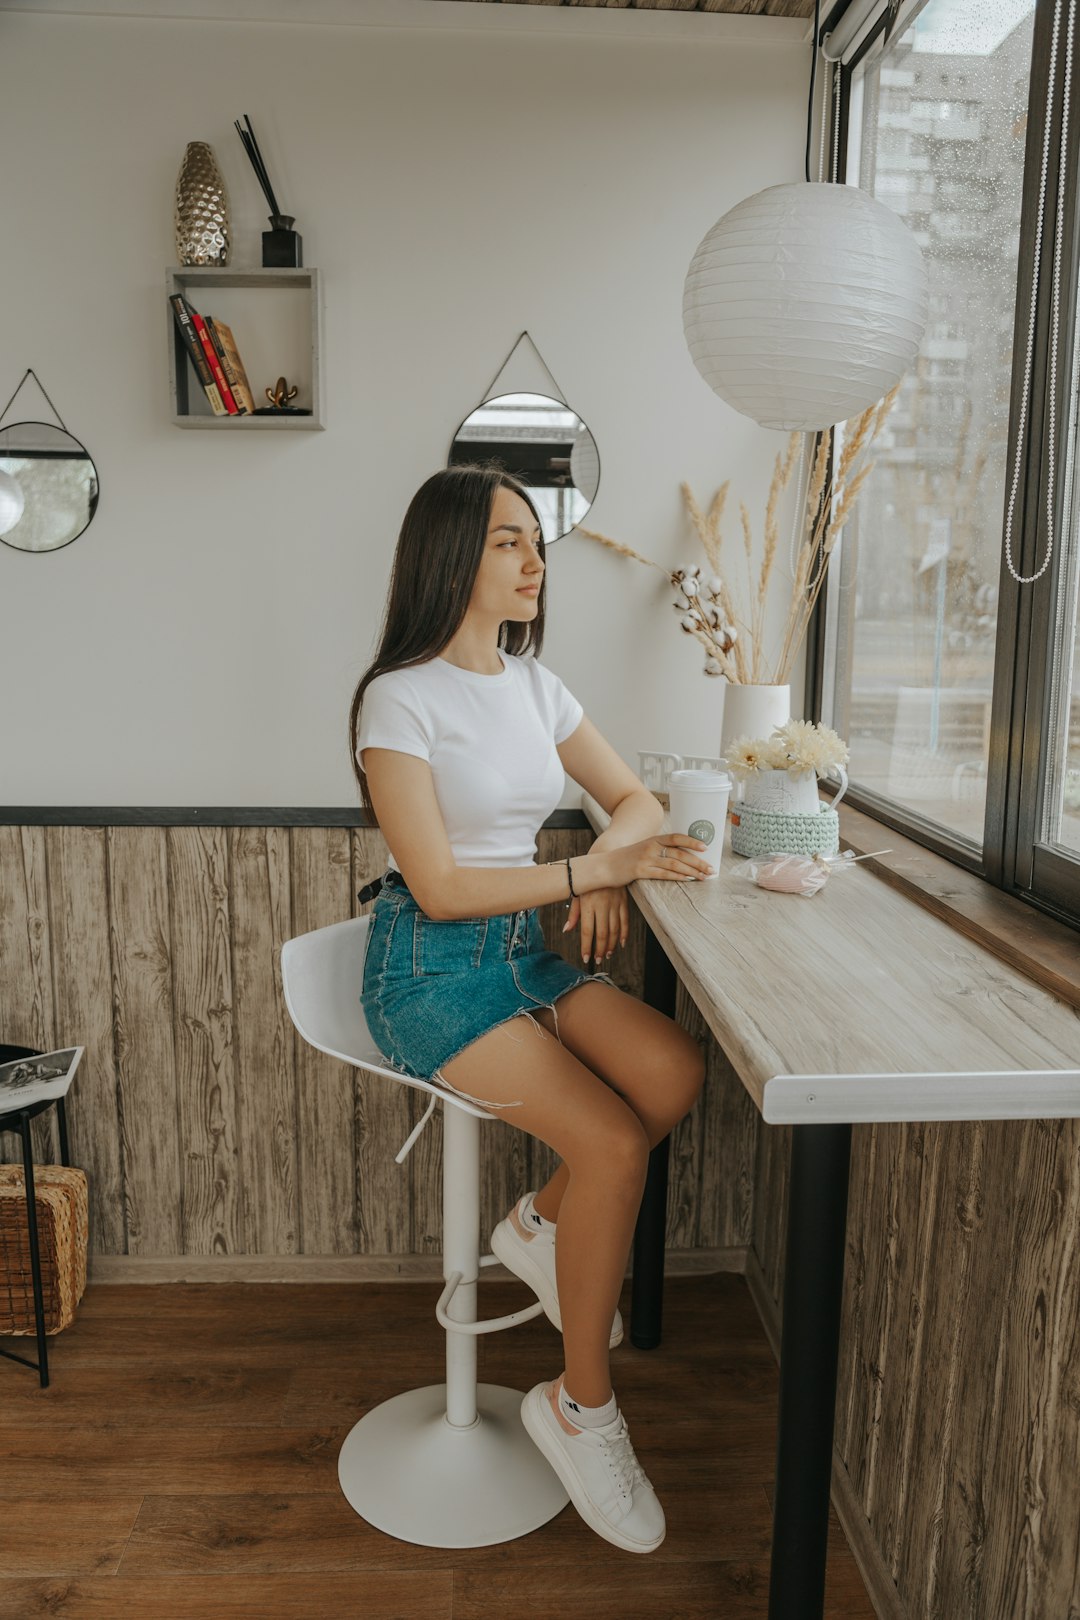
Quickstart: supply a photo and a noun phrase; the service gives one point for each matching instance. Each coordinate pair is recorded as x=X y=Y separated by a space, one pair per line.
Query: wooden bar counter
x=850 y=1006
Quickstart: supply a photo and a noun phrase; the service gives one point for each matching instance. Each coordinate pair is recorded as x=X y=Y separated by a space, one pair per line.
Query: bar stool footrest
x=495 y=1323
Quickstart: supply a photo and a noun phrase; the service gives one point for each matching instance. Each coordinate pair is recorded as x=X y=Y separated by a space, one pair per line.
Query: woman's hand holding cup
x=665 y=855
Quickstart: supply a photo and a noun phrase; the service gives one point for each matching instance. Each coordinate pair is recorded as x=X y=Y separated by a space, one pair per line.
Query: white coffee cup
x=697 y=806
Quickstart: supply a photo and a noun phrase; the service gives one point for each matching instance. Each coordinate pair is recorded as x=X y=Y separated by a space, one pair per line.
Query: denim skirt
x=432 y=987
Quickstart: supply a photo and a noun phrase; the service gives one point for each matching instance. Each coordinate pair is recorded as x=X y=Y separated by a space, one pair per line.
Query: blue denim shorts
x=432 y=987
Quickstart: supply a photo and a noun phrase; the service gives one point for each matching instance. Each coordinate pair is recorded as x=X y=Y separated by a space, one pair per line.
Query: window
x=958 y=688
x=1061 y=802
x=1057 y=797
x=919 y=575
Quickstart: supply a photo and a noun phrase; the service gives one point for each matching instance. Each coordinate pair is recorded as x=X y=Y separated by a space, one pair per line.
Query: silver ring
x=663 y=852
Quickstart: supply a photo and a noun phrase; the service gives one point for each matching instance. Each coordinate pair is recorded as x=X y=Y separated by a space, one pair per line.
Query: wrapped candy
x=790 y=874
x=798 y=874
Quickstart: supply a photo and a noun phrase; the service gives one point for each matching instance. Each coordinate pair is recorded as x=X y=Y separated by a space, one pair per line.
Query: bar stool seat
x=449 y=1465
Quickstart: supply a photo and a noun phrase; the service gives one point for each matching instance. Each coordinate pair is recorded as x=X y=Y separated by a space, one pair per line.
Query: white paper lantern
x=12 y=502
x=805 y=304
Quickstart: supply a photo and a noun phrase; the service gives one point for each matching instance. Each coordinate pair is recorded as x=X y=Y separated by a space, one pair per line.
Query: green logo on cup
x=703 y=830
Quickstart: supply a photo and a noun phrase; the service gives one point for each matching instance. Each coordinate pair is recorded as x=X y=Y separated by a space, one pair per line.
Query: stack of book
x=214 y=355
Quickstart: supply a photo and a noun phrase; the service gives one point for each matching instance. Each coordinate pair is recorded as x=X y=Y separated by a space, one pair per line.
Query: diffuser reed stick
x=251 y=147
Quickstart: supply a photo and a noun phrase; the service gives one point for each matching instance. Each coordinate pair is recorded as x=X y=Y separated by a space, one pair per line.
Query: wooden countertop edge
x=1044 y=950
x=1041 y=948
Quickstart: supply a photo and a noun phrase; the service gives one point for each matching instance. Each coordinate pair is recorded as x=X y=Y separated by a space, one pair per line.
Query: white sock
x=587 y=1417
x=530 y=1217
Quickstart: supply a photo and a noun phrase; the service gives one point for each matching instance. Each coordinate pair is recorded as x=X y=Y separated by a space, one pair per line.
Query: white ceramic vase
x=752 y=711
x=782 y=793
x=786 y=793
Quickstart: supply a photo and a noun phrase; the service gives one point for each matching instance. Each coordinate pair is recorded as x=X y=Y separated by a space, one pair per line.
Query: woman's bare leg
x=605 y=1155
x=550 y=1196
x=648 y=1059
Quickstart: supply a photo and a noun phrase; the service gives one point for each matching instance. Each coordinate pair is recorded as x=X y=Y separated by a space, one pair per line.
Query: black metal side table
x=17 y=1122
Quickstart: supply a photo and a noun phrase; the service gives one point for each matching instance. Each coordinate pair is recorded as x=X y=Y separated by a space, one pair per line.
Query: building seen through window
x=937 y=133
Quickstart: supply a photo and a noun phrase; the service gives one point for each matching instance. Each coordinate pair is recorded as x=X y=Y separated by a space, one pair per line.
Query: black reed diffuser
x=282 y=247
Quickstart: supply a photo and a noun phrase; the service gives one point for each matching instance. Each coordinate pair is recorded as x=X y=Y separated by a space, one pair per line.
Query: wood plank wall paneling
x=142 y=973
x=83 y=1000
x=263 y=1039
x=202 y=1015
x=732 y=1129
x=208 y=1128
x=383 y=1114
x=322 y=892
x=958 y=1407
x=764 y=8
x=25 y=952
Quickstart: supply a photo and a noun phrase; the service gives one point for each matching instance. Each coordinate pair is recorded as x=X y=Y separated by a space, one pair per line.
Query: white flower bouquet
x=780 y=811
x=797 y=747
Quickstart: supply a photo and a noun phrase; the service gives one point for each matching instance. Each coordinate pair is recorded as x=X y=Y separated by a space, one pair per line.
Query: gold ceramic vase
x=202 y=209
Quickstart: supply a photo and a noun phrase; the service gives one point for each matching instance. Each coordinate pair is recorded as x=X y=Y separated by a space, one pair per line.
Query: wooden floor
x=182 y=1465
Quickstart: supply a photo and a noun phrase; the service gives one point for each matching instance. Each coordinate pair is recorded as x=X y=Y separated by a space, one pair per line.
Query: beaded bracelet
x=570 y=880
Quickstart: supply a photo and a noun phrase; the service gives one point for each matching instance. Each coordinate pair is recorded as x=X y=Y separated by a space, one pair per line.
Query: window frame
x=1010 y=857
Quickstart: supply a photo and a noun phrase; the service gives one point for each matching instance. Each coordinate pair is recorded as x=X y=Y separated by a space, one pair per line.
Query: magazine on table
x=32 y=1080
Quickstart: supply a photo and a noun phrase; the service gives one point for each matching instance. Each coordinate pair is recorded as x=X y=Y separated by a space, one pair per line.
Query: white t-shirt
x=490 y=741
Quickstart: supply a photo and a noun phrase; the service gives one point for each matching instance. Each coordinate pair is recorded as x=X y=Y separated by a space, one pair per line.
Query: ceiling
x=742 y=8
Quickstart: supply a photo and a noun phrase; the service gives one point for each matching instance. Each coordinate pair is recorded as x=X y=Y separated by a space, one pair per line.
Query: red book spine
x=215 y=364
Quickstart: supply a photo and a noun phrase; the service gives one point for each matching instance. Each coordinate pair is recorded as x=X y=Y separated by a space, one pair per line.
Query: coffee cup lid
x=714 y=780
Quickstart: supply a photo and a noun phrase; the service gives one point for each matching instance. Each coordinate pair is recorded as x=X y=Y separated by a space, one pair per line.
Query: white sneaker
x=530 y=1255
x=600 y=1471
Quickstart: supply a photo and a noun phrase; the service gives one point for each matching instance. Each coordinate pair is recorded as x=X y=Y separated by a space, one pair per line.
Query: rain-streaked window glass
x=937 y=133
x=1060 y=818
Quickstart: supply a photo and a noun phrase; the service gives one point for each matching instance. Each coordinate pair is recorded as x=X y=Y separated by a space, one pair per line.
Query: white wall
x=200 y=643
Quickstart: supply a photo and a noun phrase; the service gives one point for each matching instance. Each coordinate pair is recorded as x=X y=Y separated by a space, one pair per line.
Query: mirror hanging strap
x=30 y=372
x=507 y=361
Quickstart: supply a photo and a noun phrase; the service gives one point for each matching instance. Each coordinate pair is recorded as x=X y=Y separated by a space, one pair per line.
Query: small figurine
x=281 y=394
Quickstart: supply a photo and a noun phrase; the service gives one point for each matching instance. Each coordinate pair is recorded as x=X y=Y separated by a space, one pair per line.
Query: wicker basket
x=60 y=1199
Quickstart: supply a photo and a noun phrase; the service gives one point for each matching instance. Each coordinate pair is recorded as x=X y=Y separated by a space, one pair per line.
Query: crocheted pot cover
x=763 y=832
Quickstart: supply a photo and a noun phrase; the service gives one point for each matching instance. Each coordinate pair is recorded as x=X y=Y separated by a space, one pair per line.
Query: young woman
x=460 y=740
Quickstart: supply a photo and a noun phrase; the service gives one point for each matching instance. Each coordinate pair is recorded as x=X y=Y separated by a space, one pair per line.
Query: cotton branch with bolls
x=701 y=615
x=701 y=605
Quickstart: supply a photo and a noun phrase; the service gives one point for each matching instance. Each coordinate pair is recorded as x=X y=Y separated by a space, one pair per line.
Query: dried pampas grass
x=736 y=649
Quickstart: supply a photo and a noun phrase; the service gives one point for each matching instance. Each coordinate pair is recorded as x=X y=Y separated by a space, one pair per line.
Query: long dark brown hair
x=435 y=565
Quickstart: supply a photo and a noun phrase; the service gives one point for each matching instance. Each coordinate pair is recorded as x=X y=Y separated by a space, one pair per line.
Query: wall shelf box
x=276 y=320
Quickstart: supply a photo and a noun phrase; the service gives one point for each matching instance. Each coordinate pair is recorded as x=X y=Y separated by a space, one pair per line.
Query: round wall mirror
x=48 y=487
x=543 y=443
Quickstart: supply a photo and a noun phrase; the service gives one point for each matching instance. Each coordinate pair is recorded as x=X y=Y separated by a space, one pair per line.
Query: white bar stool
x=450 y=1465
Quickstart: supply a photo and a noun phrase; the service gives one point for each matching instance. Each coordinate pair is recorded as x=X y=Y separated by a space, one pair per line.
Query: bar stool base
x=409 y=1473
